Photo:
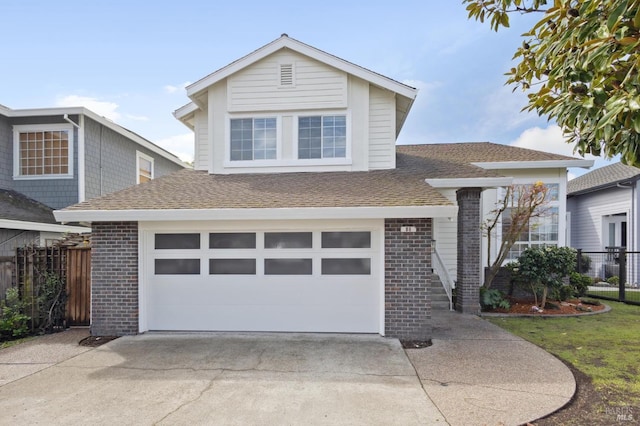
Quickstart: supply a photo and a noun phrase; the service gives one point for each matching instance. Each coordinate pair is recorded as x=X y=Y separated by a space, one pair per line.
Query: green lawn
x=631 y=295
x=606 y=347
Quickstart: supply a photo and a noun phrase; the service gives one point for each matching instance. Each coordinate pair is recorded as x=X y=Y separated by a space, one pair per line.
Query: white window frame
x=144 y=156
x=323 y=161
x=552 y=204
x=252 y=163
x=17 y=129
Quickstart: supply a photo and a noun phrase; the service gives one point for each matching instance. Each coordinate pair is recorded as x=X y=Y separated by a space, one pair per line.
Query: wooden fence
x=71 y=264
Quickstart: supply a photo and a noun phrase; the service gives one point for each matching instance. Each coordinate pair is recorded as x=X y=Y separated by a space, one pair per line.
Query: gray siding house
x=53 y=158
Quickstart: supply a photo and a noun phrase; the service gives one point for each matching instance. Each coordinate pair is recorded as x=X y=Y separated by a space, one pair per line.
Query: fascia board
x=304 y=49
x=493 y=182
x=42 y=227
x=546 y=164
x=311 y=213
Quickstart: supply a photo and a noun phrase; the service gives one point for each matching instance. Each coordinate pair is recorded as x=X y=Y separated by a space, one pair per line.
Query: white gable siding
x=382 y=119
x=586 y=216
x=316 y=85
x=201 y=151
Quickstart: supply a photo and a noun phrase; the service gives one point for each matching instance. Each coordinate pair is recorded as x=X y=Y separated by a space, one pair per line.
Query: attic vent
x=286 y=74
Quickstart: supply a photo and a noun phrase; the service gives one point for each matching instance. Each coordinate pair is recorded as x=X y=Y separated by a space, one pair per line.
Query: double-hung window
x=322 y=136
x=145 y=167
x=43 y=150
x=253 y=139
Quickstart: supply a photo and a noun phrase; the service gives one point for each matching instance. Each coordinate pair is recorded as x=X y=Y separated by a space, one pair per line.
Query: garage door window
x=346 y=240
x=359 y=266
x=177 y=241
x=232 y=266
x=287 y=240
x=232 y=240
x=288 y=267
x=177 y=266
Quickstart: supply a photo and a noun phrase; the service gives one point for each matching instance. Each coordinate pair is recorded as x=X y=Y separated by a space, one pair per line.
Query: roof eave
x=309 y=213
x=543 y=164
x=484 y=183
x=286 y=42
x=42 y=227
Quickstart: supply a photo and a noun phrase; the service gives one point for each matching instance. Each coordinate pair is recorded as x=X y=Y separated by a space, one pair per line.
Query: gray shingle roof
x=602 y=177
x=16 y=206
x=403 y=186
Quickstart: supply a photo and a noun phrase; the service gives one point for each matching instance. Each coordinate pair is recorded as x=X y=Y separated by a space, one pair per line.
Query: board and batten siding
x=257 y=87
x=201 y=151
x=587 y=211
x=382 y=117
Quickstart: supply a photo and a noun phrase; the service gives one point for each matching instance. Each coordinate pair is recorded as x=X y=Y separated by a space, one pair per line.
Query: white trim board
x=314 y=213
x=43 y=227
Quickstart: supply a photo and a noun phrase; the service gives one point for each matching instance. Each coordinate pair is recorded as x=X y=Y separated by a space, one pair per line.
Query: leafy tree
x=522 y=203
x=580 y=65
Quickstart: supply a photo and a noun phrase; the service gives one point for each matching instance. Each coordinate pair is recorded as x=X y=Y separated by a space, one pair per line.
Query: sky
x=130 y=61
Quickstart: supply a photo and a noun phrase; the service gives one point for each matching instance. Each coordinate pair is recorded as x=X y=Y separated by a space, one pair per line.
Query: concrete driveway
x=217 y=378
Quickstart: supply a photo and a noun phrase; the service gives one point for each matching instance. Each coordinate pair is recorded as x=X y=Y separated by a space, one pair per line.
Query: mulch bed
x=570 y=307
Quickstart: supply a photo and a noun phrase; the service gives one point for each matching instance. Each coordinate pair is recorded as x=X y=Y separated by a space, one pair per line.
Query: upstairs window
x=322 y=136
x=43 y=150
x=254 y=139
x=144 y=167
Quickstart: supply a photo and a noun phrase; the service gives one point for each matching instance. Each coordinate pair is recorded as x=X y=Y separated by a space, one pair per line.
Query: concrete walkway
x=479 y=374
x=272 y=378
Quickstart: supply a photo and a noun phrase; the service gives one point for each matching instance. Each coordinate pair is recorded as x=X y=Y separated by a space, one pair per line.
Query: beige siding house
x=301 y=213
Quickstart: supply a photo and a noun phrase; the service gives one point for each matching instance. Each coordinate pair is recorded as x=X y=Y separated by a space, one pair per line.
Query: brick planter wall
x=114 y=278
x=408 y=279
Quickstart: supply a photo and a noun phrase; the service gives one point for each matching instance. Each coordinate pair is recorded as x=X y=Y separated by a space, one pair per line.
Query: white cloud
x=104 y=108
x=549 y=139
x=503 y=111
x=181 y=145
x=137 y=117
x=173 y=89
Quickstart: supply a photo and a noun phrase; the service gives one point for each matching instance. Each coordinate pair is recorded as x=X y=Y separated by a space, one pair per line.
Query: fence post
x=622 y=277
x=579 y=262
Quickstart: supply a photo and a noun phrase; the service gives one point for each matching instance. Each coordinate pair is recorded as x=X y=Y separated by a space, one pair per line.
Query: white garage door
x=318 y=280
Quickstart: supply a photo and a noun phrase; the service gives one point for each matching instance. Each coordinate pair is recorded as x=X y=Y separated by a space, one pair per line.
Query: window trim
x=551 y=204
x=144 y=156
x=24 y=128
x=322 y=161
x=252 y=163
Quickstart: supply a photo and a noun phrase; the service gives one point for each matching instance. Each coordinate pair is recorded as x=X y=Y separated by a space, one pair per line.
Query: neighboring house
x=301 y=213
x=603 y=211
x=52 y=158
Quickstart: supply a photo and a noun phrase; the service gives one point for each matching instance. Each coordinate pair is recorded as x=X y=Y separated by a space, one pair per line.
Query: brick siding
x=408 y=279
x=469 y=237
x=114 y=278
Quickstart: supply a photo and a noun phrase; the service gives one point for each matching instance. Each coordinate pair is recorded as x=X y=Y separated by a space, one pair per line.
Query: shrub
x=580 y=283
x=493 y=299
x=614 y=280
x=13 y=321
x=585 y=264
x=545 y=268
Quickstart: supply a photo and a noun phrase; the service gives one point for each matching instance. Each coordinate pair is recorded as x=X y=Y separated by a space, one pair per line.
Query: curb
x=606 y=309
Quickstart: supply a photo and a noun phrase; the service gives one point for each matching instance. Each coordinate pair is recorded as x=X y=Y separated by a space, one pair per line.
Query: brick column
x=114 y=278
x=469 y=237
x=408 y=278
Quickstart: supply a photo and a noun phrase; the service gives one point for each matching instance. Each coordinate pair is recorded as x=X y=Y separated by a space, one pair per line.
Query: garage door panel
x=316 y=318
x=245 y=295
